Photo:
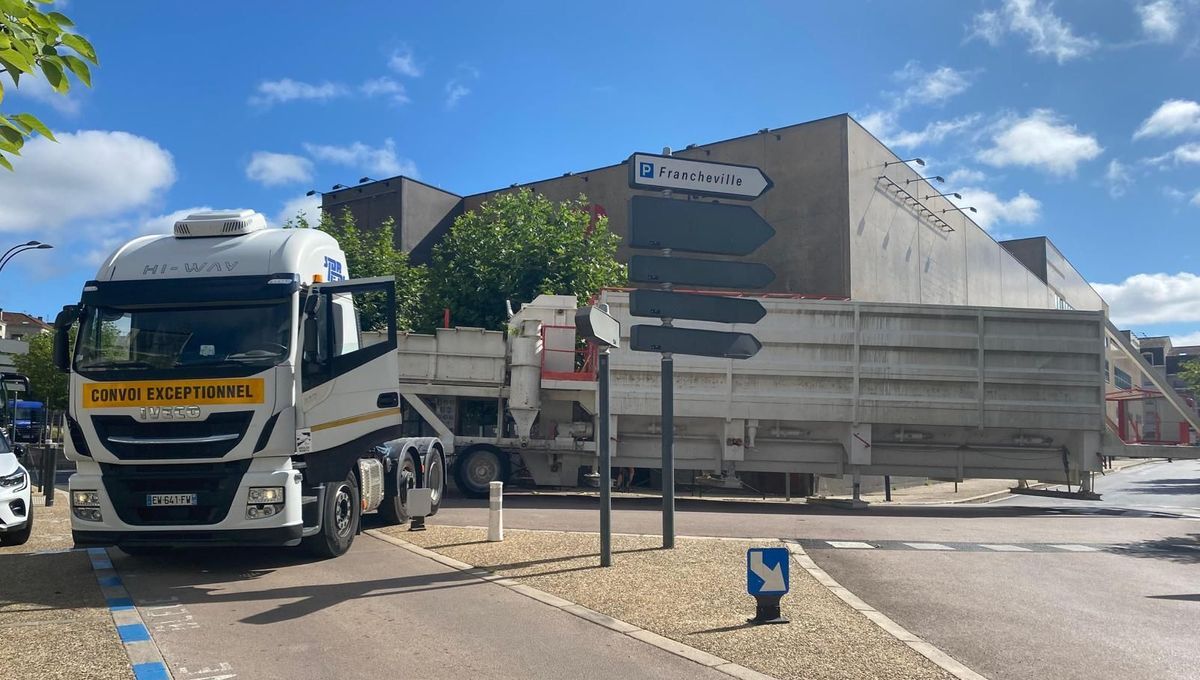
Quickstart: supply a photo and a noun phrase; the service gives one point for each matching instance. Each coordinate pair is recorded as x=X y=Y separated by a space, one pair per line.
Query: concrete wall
x=807 y=207
x=428 y=213
x=1040 y=256
x=417 y=208
x=899 y=254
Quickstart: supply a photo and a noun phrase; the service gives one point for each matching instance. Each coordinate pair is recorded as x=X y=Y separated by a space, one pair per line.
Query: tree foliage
x=515 y=247
x=1189 y=372
x=369 y=253
x=47 y=383
x=36 y=44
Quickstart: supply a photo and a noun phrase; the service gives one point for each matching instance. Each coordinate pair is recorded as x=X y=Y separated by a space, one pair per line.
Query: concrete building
x=851 y=221
x=16 y=328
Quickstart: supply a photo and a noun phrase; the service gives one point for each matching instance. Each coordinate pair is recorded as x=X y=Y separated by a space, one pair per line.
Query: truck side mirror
x=62 y=336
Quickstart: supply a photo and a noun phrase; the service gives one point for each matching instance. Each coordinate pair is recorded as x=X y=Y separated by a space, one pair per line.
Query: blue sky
x=1076 y=119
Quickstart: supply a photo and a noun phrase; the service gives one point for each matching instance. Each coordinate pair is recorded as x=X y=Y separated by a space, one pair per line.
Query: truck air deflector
x=188 y=290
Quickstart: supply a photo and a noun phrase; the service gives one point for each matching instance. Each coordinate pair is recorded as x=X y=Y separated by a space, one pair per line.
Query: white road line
x=1072 y=547
x=854 y=545
x=928 y=546
x=1000 y=547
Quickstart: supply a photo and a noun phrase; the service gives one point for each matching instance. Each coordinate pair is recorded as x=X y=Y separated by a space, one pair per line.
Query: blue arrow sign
x=767 y=571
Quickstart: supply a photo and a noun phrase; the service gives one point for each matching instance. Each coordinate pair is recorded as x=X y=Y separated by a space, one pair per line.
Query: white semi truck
x=221 y=392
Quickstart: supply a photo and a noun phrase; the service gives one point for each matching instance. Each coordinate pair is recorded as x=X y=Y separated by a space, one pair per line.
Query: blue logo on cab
x=646 y=170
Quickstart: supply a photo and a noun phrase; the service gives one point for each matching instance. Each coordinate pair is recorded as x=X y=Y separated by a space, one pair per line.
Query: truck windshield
x=192 y=342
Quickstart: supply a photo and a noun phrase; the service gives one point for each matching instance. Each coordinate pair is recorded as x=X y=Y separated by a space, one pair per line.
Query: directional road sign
x=716 y=308
x=650 y=171
x=693 y=341
x=595 y=324
x=696 y=227
x=687 y=271
x=767 y=571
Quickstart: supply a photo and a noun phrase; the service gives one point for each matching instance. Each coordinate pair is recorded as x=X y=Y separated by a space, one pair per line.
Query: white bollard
x=496 y=511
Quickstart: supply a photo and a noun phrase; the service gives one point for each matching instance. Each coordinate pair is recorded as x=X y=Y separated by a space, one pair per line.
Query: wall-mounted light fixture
x=364 y=179
x=969 y=207
x=340 y=186
x=936 y=178
x=918 y=161
x=949 y=193
x=311 y=192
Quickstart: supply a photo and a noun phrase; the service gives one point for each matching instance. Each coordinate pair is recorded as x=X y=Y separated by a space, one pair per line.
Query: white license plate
x=155 y=500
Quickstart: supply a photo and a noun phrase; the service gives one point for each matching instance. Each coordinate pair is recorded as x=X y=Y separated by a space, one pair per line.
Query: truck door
x=349 y=397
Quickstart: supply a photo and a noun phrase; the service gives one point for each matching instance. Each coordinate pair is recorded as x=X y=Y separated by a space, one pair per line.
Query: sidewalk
x=54 y=622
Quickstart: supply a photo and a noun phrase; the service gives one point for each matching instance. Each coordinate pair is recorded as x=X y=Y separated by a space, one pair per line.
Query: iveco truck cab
x=222 y=392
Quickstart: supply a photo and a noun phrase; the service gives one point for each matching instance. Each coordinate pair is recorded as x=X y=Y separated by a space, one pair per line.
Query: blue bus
x=27 y=419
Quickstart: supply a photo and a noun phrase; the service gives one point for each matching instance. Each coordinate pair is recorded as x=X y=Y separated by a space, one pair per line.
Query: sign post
x=596 y=325
x=692 y=226
x=767 y=580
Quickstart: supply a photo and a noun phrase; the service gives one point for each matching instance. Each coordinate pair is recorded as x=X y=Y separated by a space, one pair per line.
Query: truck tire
x=339 y=519
x=21 y=536
x=394 y=508
x=435 y=478
x=477 y=467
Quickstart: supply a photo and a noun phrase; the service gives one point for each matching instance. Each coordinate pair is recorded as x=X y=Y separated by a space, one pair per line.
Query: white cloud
x=455 y=91
x=1118 y=177
x=402 y=62
x=1173 y=193
x=375 y=161
x=38 y=89
x=271 y=92
x=1046 y=32
x=932 y=133
x=1040 y=140
x=991 y=210
x=108 y=236
x=1160 y=20
x=385 y=87
x=1186 y=340
x=309 y=206
x=1185 y=153
x=1153 y=298
x=1195 y=199
x=92 y=173
x=1173 y=117
x=963 y=176
x=273 y=169
x=930 y=87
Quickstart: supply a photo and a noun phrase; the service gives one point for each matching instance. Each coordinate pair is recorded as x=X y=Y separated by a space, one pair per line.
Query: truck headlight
x=264 y=501
x=85 y=504
x=15 y=482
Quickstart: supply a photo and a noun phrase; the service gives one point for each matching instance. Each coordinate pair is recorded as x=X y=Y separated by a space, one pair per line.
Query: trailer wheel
x=479 y=466
x=435 y=478
x=394 y=509
x=339 y=520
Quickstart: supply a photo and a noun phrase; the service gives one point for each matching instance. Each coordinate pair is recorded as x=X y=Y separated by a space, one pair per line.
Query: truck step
x=305 y=500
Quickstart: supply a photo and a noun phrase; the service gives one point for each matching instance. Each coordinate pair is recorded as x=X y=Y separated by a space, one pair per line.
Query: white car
x=16 y=506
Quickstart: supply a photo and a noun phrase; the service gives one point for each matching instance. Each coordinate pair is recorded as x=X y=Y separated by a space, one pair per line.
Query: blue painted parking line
x=144 y=655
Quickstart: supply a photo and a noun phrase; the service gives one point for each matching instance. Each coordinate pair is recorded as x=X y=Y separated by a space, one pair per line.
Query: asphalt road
x=377 y=612
x=1121 y=599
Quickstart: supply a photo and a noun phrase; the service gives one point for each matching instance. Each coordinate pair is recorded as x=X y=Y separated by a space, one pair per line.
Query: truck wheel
x=19 y=537
x=478 y=467
x=339 y=519
x=435 y=478
x=394 y=509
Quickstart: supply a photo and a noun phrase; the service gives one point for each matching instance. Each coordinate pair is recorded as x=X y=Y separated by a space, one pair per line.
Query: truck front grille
x=228 y=429
x=214 y=484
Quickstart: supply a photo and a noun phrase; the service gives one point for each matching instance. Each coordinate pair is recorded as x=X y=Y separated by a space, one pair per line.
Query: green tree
x=36 y=44
x=372 y=252
x=1189 y=372
x=45 y=380
x=516 y=246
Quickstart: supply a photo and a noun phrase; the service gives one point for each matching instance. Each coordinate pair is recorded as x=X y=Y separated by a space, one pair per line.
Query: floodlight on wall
x=364 y=179
x=311 y=192
x=918 y=161
x=936 y=178
x=340 y=186
x=949 y=193
x=969 y=207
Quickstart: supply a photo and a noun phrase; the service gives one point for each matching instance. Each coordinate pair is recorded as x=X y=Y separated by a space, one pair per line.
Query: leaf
x=4 y=162
x=54 y=76
x=14 y=58
x=36 y=125
x=13 y=136
x=80 y=68
x=60 y=19
x=80 y=45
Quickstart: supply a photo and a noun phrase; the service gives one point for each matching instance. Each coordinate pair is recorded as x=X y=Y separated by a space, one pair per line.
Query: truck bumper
x=274 y=536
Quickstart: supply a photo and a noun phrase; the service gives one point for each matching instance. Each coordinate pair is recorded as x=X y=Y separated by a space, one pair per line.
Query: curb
x=938 y=657
x=144 y=656
x=664 y=643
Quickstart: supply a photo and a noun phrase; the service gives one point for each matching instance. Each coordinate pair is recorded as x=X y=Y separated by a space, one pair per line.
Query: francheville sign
x=174 y=392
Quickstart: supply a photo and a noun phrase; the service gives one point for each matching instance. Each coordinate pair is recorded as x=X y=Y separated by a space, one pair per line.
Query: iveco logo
x=168 y=412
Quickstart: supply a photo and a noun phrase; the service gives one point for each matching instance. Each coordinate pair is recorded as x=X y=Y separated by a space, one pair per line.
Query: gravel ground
x=54 y=623
x=695 y=594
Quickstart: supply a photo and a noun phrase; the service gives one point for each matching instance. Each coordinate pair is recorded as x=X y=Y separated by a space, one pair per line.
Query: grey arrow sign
x=693 y=341
x=729 y=180
x=696 y=227
x=716 y=308
x=692 y=272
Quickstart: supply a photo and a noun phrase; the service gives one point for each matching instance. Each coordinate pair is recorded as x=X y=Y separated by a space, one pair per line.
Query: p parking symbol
x=646 y=170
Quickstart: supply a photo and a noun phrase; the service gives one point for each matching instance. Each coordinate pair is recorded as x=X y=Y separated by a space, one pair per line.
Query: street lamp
x=948 y=193
x=12 y=252
x=971 y=208
x=918 y=161
x=936 y=178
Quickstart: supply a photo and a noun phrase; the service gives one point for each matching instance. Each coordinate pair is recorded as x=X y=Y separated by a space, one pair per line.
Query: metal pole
x=668 y=452
x=605 y=464
x=887 y=488
x=51 y=469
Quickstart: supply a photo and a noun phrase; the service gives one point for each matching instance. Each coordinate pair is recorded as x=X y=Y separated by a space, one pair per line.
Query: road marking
x=928 y=546
x=221 y=671
x=854 y=545
x=1002 y=547
x=1074 y=547
x=145 y=659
